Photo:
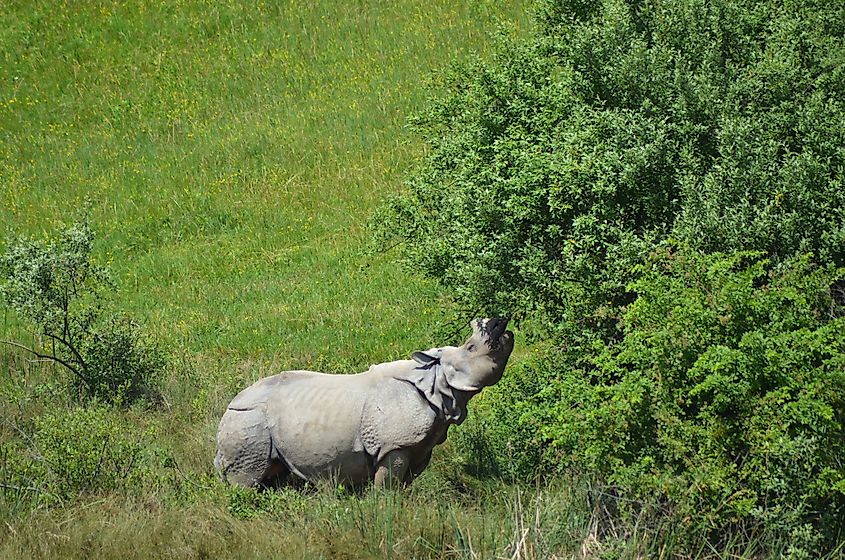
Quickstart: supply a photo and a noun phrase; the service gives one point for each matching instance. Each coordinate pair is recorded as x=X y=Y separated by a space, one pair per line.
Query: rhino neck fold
x=449 y=403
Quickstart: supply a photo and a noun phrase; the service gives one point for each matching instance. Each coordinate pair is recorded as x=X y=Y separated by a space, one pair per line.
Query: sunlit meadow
x=232 y=153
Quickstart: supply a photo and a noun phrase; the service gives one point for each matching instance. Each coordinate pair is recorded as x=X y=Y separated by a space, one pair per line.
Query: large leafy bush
x=720 y=403
x=553 y=166
x=708 y=381
x=725 y=395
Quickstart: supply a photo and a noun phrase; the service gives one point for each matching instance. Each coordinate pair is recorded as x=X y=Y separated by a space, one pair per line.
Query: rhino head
x=479 y=363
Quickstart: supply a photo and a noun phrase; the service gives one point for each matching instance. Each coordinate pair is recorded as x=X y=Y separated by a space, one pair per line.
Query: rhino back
x=269 y=388
x=315 y=420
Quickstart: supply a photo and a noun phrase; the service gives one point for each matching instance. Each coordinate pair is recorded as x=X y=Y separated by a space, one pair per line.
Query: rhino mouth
x=493 y=330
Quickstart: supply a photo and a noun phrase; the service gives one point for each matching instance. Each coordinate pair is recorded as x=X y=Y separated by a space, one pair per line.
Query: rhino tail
x=219 y=467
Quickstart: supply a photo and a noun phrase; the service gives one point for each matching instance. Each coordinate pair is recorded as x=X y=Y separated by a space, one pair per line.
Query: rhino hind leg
x=246 y=455
x=419 y=466
x=276 y=475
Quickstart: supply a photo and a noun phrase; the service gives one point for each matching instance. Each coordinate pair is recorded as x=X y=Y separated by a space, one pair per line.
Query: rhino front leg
x=392 y=471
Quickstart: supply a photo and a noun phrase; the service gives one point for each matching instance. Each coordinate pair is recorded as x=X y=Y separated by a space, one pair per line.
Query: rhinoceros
x=378 y=426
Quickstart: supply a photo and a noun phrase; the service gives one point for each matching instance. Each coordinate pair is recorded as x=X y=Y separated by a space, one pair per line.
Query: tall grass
x=497 y=521
x=325 y=524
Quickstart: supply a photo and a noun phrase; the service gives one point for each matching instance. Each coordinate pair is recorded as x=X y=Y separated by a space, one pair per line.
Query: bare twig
x=67 y=340
x=93 y=478
x=187 y=479
x=517 y=555
x=519 y=527
x=393 y=246
x=50 y=357
x=459 y=323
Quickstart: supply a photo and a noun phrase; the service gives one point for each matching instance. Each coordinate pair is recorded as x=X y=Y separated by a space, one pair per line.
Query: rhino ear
x=461 y=380
x=427 y=358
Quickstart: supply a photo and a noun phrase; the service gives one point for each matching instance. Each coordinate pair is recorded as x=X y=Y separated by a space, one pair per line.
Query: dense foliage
x=659 y=187
x=723 y=401
x=556 y=164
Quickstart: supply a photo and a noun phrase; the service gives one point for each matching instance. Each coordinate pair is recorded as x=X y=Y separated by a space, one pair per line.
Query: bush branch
x=51 y=357
x=68 y=344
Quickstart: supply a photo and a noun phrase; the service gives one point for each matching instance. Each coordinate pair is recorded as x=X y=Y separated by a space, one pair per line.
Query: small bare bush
x=57 y=287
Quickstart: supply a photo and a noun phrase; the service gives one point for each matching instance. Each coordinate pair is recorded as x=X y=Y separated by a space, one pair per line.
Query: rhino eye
x=471 y=348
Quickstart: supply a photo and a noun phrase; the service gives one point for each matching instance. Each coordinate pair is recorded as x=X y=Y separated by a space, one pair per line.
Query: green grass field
x=233 y=153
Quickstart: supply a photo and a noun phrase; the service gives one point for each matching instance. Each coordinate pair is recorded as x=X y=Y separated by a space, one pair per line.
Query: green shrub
x=81 y=450
x=86 y=450
x=123 y=362
x=58 y=288
x=554 y=166
x=722 y=402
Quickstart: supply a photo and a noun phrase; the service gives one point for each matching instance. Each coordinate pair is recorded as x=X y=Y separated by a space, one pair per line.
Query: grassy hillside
x=232 y=152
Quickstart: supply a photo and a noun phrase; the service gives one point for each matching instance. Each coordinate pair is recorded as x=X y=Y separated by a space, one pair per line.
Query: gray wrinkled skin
x=380 y=425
